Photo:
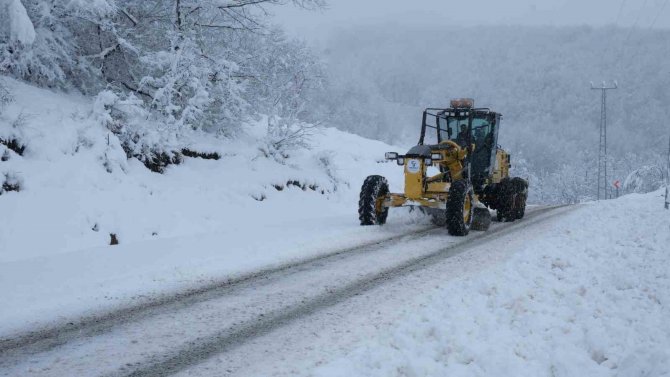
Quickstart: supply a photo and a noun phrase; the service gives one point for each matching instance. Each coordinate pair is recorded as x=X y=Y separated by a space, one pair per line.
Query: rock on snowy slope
x=592 y=298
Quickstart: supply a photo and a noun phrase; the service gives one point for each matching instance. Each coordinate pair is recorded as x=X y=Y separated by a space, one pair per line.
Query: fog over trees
x=165 y=67
x=537 y=77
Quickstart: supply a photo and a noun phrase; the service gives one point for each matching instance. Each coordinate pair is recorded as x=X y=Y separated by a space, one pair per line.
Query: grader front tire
x=370 y=212
x=460 y=207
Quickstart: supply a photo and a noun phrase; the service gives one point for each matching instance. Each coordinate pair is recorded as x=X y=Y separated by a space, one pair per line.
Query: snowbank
x=591 y=298
x=201 y=220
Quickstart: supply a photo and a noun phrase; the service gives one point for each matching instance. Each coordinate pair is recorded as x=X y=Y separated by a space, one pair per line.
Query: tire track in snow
x=48 y=338
x=228 y=339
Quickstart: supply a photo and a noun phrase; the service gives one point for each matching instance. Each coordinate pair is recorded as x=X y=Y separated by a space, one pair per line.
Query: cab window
x=430 y=138
x=481 y=132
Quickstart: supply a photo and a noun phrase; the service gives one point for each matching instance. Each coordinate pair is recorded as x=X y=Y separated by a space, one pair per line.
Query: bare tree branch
x=130 y=17
x=136 y=90
x=219 y=26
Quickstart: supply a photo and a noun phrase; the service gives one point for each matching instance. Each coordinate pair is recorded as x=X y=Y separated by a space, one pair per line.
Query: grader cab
x=455 y=173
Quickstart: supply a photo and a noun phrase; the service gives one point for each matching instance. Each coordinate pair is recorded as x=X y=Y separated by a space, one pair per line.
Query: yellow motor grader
x=455 y=173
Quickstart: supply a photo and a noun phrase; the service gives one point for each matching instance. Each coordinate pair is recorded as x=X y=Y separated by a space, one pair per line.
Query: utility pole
x=667 y=179
x=602 y=148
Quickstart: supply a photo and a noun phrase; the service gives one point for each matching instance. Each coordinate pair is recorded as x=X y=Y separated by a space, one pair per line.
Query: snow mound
x=592 y=298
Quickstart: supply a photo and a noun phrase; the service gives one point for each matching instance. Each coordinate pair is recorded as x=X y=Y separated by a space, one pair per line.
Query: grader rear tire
x=374 y=188
x=460 y=207
x=505 y=200
x=520 y=196
x=512 y=196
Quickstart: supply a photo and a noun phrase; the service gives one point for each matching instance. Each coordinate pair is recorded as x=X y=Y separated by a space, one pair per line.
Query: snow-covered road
x=265 y=324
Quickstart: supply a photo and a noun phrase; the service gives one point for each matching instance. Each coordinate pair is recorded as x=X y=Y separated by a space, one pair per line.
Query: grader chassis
x=470 y=173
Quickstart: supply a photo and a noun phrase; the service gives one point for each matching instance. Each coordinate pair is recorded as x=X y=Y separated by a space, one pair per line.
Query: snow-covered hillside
x=584 y=292
x=200 y=219
x=68 y=200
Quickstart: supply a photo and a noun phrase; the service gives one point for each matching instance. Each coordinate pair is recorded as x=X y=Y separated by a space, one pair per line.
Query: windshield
x=458 y=129
x=481 y=132
x=441 y=127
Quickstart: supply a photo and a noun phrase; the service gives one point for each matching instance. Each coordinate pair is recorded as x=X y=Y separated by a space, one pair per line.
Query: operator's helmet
x=464 y=127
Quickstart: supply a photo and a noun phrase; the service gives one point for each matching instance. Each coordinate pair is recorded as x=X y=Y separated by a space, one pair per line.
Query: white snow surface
x=197 y=222
x=590 y=298
x=587 y=293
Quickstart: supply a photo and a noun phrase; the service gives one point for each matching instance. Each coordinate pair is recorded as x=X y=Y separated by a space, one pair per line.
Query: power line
x=658 y=14
x=616 y=23
x=632 y=28
x=622 y=48
x=667 y=180
x=618 y=16
x=630 y=32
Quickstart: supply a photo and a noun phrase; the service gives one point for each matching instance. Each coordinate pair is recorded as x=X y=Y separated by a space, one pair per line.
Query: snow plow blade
x=481 y=219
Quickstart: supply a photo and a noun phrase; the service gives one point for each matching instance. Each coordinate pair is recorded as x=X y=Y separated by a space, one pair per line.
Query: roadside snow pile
x=591 y=298
x=69 y=191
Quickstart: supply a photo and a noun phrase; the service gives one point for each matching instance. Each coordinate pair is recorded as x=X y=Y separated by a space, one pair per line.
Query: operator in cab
x=481 y=138
x=462 y=138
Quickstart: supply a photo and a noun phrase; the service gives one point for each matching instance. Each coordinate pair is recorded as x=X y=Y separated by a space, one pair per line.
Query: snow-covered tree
x=644 y=179
x=200 y=64
x=205 y=64
x=55 y=29
x=18 y=28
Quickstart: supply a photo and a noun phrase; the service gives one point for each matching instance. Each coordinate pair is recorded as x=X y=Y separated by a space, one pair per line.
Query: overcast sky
x=343 y=13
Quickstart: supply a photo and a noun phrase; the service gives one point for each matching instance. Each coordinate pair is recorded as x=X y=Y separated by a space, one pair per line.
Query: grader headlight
x=436 y=156
x=391 y=155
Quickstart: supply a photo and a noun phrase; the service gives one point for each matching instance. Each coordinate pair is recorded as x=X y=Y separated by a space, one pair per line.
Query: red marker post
x=616 y=185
